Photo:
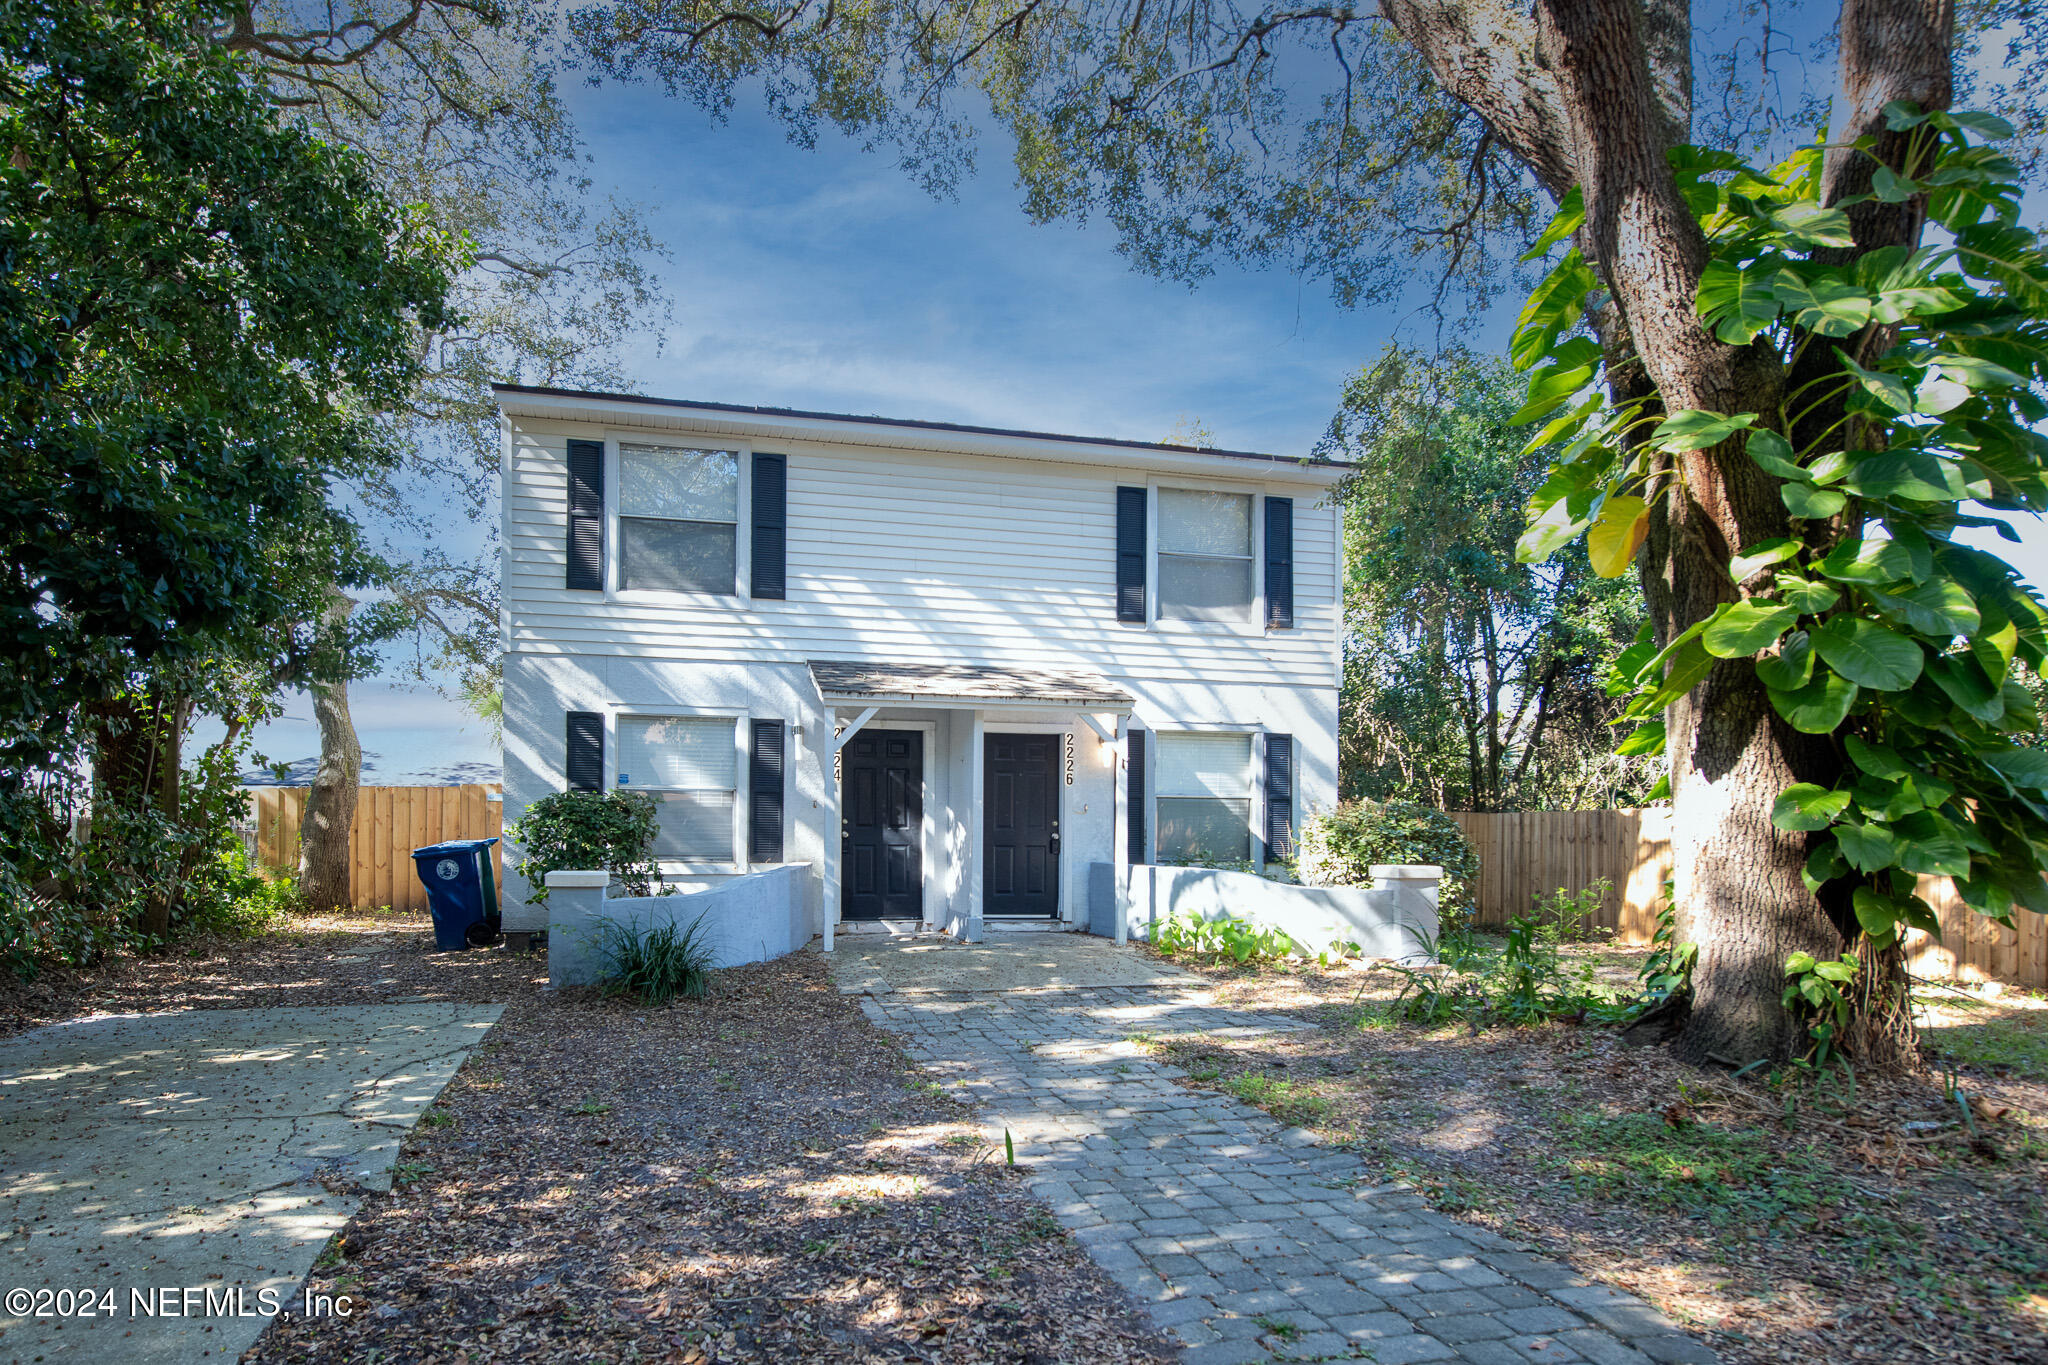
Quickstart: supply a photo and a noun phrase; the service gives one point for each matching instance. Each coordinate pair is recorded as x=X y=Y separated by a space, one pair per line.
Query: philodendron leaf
x=1867 y=847
x=1875 y=913
x=1823 y=865
x=1761 y=556
x=1879 y=760
x=1818 y=708
x=1810 y=597
x=1939 y=606
x=1747 y=627
x=1696 y=429
x=1964 y=683
x=1791 y=668
x=1644 y=739
x=2021 y=767
x=1773 y=452
x=1928 y=846
x=1813 y=504
x=1806 y=806
x=1868 y=561
x=1867 y=654
x=1613 y=538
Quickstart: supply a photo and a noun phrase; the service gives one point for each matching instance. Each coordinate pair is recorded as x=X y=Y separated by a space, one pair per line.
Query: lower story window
x=1204 y=812
x=689 y=763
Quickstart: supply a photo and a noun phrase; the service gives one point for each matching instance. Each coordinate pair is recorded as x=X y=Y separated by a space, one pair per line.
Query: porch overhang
x=966 y=687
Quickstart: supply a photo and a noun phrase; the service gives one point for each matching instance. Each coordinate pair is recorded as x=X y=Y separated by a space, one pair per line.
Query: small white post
x=1120 y=836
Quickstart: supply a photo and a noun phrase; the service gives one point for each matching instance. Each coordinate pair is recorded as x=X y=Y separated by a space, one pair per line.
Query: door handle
x=1052 y=845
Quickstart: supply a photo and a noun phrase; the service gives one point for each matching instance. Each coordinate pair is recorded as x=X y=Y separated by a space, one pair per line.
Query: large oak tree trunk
x=1592 y=93
x=331 y=803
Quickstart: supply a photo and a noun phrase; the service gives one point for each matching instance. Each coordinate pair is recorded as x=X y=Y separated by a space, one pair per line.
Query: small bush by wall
x=1340 y=847
x=610 y=831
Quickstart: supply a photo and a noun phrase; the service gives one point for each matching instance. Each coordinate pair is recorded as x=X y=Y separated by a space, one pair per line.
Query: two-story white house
x=945 y=667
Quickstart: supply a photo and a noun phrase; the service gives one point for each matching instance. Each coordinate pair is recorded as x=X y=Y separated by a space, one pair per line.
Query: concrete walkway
x=1244 y=1238
x=150 y=1159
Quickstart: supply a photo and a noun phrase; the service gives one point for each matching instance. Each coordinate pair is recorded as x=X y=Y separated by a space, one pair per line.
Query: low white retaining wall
x=751 y=918
x=1392 y=918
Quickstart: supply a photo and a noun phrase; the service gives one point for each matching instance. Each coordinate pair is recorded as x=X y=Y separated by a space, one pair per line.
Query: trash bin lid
x=453 y=846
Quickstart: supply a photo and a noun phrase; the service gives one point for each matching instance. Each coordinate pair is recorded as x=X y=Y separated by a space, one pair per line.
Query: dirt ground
x=757 y=1176
x=1793 y=1219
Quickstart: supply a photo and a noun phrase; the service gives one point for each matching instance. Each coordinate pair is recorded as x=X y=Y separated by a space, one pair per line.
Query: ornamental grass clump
x=658 y=963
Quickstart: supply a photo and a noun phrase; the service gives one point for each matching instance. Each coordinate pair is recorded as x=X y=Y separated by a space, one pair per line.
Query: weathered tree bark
x=331 y=803
x=1590 y=97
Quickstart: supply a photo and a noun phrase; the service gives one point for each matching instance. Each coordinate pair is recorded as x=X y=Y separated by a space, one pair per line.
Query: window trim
x=1254 y=626
x=742 y=531
x=742 y=792
x=1254 y=788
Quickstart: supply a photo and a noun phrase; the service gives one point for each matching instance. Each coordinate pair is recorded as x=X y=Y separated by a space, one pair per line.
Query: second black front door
x=881 y=842
x=1021 y=825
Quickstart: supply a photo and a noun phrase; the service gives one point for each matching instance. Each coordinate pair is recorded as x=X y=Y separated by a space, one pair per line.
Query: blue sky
x=826 y=279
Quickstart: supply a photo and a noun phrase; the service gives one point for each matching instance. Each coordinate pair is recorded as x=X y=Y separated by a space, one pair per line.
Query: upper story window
x=1204 y=804
x=691 y=763
x=1205 y=556
x=679 y=514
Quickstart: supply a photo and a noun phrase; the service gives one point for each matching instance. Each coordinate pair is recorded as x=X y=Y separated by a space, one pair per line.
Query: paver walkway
x=1245 y=1238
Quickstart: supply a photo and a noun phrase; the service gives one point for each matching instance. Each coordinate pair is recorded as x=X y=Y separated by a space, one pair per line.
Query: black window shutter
x=1130 y=554
x=586 y=515
x=771 y=527
x=585 y=764
x=1136 y=744
x=1279 y=797
x=1280 y=561
x=764 y=793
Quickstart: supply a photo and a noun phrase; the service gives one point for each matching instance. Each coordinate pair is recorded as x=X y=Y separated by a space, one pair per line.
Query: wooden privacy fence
x=390 y=823
x=1524 y=855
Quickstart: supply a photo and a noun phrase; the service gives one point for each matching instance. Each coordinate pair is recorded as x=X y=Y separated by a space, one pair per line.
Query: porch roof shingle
x=864 y=682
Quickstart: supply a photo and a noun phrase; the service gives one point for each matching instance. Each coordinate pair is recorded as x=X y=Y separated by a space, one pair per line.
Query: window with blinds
x=690 y=762
x=1204 y=803
x=1205 y=555
x=679 y=514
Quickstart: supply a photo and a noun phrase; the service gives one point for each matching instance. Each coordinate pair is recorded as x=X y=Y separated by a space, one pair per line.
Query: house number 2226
x=1068 y=744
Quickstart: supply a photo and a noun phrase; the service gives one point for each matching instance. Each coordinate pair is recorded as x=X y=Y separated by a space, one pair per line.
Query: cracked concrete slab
x=211 y=1150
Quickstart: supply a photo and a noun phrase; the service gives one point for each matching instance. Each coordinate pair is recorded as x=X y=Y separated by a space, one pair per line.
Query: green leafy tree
x=1473 y=681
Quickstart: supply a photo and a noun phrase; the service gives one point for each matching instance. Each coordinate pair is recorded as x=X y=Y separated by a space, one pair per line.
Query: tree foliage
x=1473 y=681
x=1908 y=399
x=200 y=310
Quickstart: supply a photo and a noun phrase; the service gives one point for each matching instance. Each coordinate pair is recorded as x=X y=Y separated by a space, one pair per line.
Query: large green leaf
x=1810 y=597
x=1761 y=556
x=1696 y=428
x=1867 y=847
x=1931 y=847
x=1812 y=504
x=2022 y=767
x=1773 y=454
x=1876 y=913
x=1818 y=708
x=1806 y=806
x=1964 y=682
x=1822 y=302
x=1791 y=668
x=1808 y=224
x=1912 y=475
x=1868 y=654
x=1879 y=760
x=1939 y=606
x=1868 y=561
x=1647 y=738
x=1556 y=305
x=1570 y=214
x=1747 y=627
x=1888 y=389
x=1736 y=300
x=1572 y=367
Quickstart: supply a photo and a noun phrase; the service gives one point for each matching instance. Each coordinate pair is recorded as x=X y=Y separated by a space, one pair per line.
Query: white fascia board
x=769 y=427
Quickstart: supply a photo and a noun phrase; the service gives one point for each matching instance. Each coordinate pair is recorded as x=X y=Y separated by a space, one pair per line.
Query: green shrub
x=1340 y=847
x=244 y=901
x=587 y=831
x=1186 y=933
x=656 y=964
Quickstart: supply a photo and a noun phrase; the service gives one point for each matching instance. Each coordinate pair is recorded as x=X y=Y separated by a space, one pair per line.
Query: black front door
x=1021 y=825
x=881 y=841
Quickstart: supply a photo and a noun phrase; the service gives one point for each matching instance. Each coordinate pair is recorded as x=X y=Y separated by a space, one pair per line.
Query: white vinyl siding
x=1205 y=556
x=917 y=557
x=678 y=519
x=1204 y=806
x=691 y=764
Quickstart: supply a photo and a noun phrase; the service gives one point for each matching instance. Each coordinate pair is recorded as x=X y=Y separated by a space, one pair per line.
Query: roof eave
x=846 y=429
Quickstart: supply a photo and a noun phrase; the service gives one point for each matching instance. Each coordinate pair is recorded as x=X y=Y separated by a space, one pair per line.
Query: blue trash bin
x=461 y=893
